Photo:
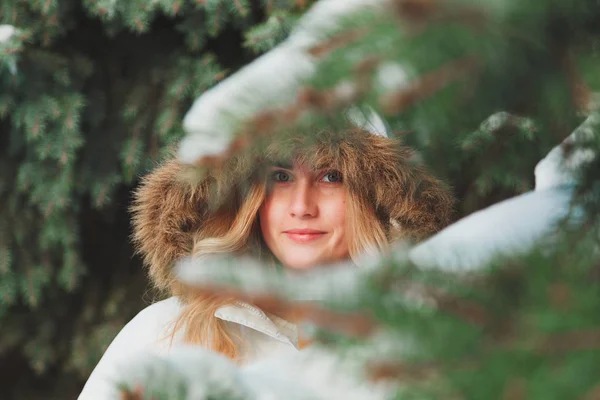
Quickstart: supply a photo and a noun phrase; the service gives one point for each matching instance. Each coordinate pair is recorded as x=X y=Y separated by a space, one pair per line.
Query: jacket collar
x=252 y=317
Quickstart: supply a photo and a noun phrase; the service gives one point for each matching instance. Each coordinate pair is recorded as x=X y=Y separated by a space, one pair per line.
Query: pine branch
x=241 y=8
x=418 y=13
x=593 y=394
x=403 y=372
x=307 y=100
x=337 y=41
x=578 y=340
x=580 y=91
x=515 y=389
x=137 y=393
x=357 y=324
x=429 y=84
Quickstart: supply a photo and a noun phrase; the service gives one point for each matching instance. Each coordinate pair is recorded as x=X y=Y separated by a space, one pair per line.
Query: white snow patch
x=192 y=373
x=318 y=373
x=251 y=276
x=507 y=228
x=325 y=16
x=190 y=370
x=560 y=167
x=368 y=120
x=391 y=76
x=6 y=32
x=192 y=147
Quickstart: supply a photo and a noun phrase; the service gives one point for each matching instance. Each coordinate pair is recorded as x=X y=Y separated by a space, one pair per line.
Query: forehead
x=299 y=165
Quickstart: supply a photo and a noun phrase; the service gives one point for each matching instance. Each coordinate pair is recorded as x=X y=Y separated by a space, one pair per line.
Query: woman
x=298 y=203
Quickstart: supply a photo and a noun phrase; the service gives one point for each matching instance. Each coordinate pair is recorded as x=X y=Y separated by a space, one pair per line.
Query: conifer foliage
x=92 y=94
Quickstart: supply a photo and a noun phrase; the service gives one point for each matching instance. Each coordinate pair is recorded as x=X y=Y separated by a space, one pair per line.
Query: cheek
x=336 y=213
x=268 y=215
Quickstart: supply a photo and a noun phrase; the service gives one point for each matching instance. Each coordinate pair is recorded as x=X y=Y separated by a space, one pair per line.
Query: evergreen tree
x=92 y=94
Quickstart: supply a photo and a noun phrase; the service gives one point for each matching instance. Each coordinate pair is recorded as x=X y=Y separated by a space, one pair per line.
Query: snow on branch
x=187 y=373
x=563 y=164
x=191 y=373
x=299 y=296
x=219 y=114
x=506 y=229
x=8 y=48
x=317 y=373
x=252 y=275
x=515 y=226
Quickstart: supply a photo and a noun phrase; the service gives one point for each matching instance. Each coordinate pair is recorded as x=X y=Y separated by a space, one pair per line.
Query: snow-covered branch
x=299 y=296
x=191 y=373
x=218 y=115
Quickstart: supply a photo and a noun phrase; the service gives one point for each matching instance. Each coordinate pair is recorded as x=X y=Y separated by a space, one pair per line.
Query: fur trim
x=169 y=211
x=166 y=213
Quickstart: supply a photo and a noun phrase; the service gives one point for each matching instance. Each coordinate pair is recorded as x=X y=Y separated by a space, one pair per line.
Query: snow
x=187 y=372
x=560 y=167
x=325 y=16
x=250 y=276
x=6 y=32
x=368 y=120
x=508 y=228
x=314 y=373
x=192 y=373
x=499 y=119
x=273 y=79
x=391 y=76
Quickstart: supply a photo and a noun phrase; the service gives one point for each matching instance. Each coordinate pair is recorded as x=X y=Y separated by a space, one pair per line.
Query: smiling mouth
x=304 y=235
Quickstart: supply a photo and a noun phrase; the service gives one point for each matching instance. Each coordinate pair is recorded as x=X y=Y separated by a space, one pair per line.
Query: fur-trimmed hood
x=169 y=209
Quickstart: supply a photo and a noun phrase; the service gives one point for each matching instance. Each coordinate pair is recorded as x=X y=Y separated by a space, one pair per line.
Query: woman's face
x=303 y=218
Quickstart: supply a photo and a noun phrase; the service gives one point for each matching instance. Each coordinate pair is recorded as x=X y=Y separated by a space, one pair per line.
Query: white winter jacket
x=262 y=336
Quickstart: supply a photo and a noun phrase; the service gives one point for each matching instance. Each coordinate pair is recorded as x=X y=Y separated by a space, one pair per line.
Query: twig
x=570 y=341
x=580 y=91
x=136 y=394
x=335 y=42
x=422 y=12
x=593 y=394
x=381 y=371
x=449 y=303
x=514 y=389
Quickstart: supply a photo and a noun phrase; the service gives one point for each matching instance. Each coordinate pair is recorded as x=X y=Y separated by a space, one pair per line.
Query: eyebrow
x=290 y=167
x=283 y=165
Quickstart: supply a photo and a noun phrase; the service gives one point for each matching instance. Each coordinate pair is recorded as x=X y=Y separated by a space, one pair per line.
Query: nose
x=303 y=202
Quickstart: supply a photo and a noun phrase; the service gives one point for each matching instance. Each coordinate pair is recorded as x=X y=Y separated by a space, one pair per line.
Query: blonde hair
x=236 y=230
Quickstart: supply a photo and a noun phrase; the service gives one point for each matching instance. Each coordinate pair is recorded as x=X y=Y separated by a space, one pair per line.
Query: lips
x=304 y=235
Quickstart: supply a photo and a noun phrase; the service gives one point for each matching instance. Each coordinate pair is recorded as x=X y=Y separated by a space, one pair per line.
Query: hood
x=172 y=202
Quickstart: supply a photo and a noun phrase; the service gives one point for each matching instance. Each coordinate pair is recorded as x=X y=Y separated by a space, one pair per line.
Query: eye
x=280 y=176
x=333 y=177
